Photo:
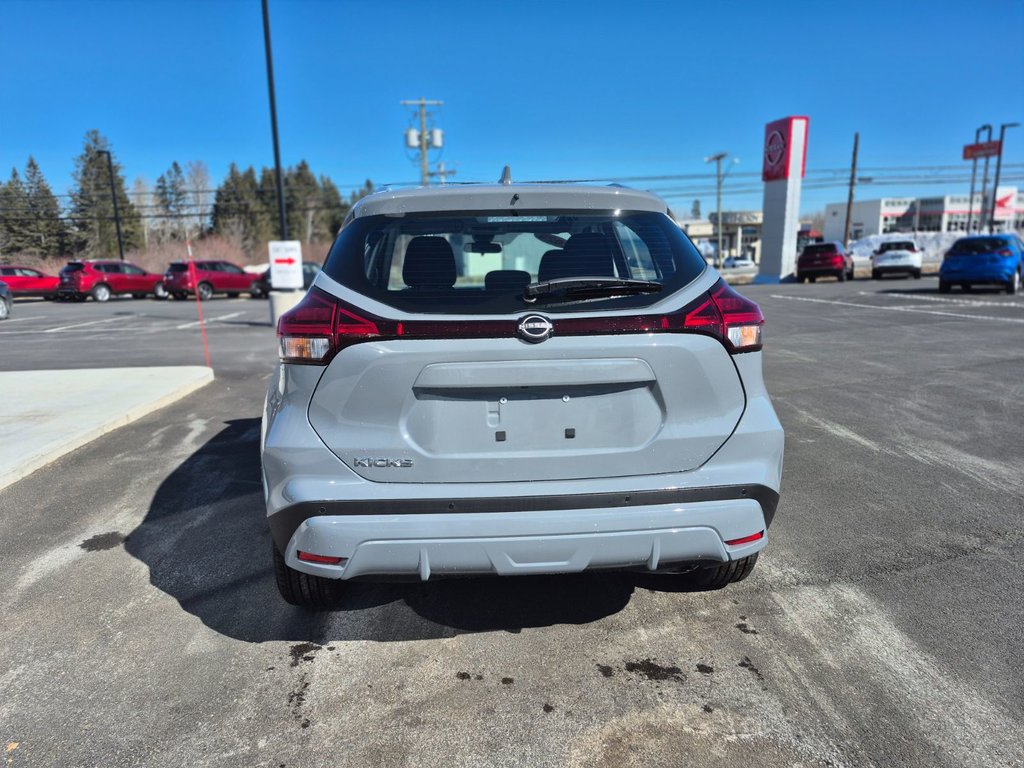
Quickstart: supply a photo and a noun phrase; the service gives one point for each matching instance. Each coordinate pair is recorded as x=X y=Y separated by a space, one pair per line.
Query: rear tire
x=101 y=293
x=5 y=310
x=724 y=574
x=943 y=286
x=876 y=275
x=159 y=291
x=301 y=589
x=841 y=277
x=1014 y=285
x=917 y=274
x=812 y=278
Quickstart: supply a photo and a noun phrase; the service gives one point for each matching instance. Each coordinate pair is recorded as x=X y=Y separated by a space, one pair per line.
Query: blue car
x=983 y=260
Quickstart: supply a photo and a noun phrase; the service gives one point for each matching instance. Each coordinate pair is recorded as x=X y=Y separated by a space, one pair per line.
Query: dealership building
x=925 y=214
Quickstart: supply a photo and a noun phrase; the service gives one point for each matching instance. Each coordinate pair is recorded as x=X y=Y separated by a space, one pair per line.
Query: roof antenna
x=506 y=176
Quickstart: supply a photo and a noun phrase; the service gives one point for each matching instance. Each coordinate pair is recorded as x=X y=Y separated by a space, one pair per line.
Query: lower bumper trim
x=285 y=522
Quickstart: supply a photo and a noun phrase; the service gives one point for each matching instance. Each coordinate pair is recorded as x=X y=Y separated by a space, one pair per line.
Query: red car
x=103 y=279
x=25 y=281
x=824 y=260
x=211 y=277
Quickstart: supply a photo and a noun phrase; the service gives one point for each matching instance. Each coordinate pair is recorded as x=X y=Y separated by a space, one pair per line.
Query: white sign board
x=285 y=264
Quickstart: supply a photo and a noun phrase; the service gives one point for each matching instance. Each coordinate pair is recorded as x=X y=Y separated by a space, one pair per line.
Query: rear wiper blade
x=591 y=286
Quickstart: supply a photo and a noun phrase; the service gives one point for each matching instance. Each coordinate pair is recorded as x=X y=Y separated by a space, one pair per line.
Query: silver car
x=517 y=379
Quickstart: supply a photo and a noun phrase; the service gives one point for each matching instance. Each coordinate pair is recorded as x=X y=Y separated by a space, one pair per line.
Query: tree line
x=182 y=204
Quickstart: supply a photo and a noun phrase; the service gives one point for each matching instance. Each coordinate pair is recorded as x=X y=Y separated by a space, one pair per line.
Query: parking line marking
x=194 y=323
x=944 y=300
x=23 y=319
x=959 y=315
x=91 y=322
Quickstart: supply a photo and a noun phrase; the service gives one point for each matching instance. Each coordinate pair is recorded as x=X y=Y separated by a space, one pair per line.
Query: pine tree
x=92 y=211
x=44 y=230
x=239 y=213
x=333 y=210
x=172 y=201
x=14 y=214
x=302 y=200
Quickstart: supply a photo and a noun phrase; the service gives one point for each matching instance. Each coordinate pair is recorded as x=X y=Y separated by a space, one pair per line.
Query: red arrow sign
x=289 y=260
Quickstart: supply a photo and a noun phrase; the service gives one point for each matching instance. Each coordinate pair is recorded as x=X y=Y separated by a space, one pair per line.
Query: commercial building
x=948 y=213
x=741 y=233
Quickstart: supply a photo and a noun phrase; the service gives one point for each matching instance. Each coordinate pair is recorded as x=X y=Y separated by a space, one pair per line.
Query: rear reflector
x=309 y=557
x=316 y=329
x=746 y=539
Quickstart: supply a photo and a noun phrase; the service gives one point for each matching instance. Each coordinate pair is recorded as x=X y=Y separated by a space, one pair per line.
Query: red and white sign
x=981 y=149
x=286 y=264
x=1006 y=204
x=779 y=162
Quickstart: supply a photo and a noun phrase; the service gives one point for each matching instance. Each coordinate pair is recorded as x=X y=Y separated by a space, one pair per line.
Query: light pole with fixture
x=720 y=177
x=995 y=183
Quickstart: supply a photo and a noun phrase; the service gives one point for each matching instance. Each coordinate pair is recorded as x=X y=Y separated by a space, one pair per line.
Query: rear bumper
x=816 y=271
x=979 y=277
x=534 y=542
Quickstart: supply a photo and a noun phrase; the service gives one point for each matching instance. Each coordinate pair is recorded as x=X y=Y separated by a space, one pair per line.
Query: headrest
x=429 y=263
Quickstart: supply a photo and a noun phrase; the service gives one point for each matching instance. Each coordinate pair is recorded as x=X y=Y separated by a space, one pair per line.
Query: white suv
x=896 y=257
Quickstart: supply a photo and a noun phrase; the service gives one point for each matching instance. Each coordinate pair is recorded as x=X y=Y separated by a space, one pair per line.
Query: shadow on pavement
x=206 y=543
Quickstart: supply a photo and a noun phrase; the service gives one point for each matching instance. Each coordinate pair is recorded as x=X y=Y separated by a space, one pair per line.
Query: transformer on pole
x=424 y=139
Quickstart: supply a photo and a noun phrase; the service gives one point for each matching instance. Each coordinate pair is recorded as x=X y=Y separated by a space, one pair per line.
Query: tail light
x=1004 y=252
x=837 y=260
x=320 y=326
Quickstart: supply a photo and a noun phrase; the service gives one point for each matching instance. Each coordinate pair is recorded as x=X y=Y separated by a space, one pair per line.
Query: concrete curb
x=197 y=377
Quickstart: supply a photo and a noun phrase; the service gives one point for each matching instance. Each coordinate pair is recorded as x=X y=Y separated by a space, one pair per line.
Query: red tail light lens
x=305 y=333
x=1004 y=252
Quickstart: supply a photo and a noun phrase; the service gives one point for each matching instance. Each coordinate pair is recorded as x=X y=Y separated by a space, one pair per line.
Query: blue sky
x=558 y=90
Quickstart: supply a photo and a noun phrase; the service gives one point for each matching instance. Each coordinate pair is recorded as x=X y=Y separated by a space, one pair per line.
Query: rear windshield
x=480 y=263
x=74 y=266
x=978 y=245
x=177 y=268
x=901 y=245
x=810 y=250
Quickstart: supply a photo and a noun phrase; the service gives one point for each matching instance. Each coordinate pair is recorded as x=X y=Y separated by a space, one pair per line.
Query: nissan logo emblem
x=774 y=148
x=534 y=328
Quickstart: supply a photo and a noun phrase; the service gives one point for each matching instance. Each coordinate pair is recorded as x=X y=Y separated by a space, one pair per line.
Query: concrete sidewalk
x=46 y=414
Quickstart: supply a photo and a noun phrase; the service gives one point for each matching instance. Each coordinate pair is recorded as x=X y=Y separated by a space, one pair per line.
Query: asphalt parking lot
x=883 y=625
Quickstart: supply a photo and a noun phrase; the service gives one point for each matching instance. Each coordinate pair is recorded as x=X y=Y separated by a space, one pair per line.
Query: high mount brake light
x=319 y=326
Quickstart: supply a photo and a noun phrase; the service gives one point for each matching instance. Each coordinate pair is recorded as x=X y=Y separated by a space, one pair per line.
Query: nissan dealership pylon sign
x=782 y=170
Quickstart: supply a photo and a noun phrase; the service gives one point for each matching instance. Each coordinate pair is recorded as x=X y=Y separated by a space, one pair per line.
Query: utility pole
x=443 y=173
x=984 y=183
x=995 y=183
x=282 y=219
x=849 y=197
x=717 y=160
x=113 y=196
x=974 y=175
x=424 y=139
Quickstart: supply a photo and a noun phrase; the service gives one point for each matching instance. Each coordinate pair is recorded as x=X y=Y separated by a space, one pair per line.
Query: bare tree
x=142 y=198
x=200 y=196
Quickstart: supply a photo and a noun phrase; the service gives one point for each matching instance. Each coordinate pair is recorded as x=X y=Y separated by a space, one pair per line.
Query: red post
x=199 y=302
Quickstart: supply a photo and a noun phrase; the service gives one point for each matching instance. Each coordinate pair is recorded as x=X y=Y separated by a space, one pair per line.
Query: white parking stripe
x=23 y=319
x=945 y=300
x=194 y=323
x=91 y=322
x=917 y=310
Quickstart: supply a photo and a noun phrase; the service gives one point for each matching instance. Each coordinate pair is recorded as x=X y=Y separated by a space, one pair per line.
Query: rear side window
x=479 y=262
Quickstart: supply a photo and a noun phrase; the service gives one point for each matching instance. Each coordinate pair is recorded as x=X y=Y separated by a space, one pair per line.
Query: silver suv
x=517 y=379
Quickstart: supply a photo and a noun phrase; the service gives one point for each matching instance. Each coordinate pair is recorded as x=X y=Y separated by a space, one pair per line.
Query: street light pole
x=113 y=196
x=984 y=182
x=974 y=175
x=717 y=160
x=282 y=220
x=999 y=168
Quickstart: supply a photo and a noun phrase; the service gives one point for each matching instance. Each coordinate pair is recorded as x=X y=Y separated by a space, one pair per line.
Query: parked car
x=738 y=262
x=557 y=415
x=211 y=277
x=26 y=281
x=983 y=260
x=102 y=279
x=6 y=299
x=310 y=269
x=828 y=259
x=896 y=257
